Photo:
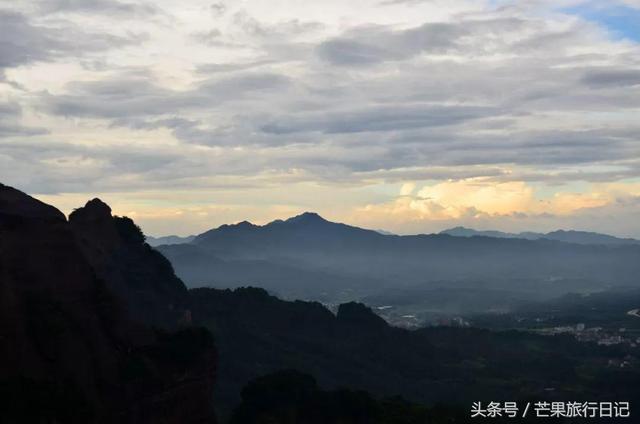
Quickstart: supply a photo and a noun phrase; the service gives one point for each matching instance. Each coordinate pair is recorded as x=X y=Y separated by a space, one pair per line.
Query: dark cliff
x=69 y=351
x=116 y=249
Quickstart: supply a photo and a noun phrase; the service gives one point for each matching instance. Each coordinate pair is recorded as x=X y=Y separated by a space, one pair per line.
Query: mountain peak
x=242 y=225
x=458 y=228
x=245 y=224
x=94 y=210
x=460 y=231
x=306 y=217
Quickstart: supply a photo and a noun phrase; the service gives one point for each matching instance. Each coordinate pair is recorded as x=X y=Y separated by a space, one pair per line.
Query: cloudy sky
x=404 y=115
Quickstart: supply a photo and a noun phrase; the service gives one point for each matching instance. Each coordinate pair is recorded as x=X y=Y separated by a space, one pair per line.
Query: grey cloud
x=50 y=166
x=212 y=68
x=438 y=152
x=354 y=53
x=133 y=95
x=208 y=37
x=24 y=42
x=120 y=8
x=376 y=44
x=396 y=175
x=370 y=45
x=242 y=84
x=612 y=78
x=12 y=130
x=127 y=158
x=558 y=177
x=10 y=113
x=114 y=99
x=190 y=131
x=381 y=118
x=452 y=151
x=9 y=109
x=142 y=124
x=550 y=148
x=218 y=9
x=203 y=133
x=21 y=42
x=555 y=43
x=284 y=30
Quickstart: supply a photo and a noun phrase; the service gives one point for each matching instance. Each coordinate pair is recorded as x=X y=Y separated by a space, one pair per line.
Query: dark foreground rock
x=69 y=350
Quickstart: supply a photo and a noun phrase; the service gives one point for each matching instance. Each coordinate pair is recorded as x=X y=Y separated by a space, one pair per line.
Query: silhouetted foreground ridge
x=69 y=350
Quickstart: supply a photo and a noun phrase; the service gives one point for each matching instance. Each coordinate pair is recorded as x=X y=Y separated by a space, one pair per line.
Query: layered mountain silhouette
x=158 y=241
x=96 y=328
x=578 y=237
x=77 y=301
x=309 y=257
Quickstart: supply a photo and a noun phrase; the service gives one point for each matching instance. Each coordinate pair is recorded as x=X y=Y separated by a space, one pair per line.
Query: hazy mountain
x=199 y=267
x=69 y=350
x=157 y=241
x=305 y=232
x=468 y=232
x=315 y=257
x=578 y=237
x=220 y=258
x=585 y=237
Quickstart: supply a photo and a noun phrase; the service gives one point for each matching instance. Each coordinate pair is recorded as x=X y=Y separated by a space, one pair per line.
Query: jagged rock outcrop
x=69 y=353
x=142 y=277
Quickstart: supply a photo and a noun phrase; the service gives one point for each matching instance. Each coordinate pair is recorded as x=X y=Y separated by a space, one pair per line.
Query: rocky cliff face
x=116 y=249
x=69 y=352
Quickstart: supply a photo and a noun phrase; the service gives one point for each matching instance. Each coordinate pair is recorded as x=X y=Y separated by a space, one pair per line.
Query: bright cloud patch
x=482 y=202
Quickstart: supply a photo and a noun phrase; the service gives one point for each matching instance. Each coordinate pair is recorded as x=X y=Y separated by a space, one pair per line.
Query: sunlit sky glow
x=404 y=115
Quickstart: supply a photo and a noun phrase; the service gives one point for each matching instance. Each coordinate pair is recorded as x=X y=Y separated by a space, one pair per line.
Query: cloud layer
x=527 y=110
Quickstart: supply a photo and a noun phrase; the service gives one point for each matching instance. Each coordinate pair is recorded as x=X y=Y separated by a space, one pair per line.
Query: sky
x=410 y=116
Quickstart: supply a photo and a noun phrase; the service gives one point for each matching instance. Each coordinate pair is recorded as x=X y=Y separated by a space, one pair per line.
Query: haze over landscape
x=408 y=116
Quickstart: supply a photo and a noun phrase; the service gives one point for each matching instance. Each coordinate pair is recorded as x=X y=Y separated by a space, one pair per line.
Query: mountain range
x=568 y=236
x=158 y=241
x=571 y=236
x=309 y=257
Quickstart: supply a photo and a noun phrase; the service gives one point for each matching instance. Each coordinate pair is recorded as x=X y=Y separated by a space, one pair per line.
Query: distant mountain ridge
x=567 y=236
x=158 y=241
x=307 y=229
x=309 y=257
